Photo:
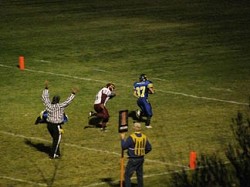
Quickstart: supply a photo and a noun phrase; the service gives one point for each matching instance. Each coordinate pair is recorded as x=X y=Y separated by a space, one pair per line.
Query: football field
x=196 y=53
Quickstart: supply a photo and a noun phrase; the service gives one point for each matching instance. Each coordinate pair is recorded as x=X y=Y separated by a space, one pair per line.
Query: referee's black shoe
x=55 y=157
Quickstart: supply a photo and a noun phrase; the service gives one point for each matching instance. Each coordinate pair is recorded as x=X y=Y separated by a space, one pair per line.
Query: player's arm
x=135 y=93
x=112 y=95
x=151 y=88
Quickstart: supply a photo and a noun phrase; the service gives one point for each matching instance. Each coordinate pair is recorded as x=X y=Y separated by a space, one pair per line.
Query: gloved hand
x=113 y=94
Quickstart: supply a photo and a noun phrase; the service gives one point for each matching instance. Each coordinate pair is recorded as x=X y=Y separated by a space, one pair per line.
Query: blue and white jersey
x=141 y=88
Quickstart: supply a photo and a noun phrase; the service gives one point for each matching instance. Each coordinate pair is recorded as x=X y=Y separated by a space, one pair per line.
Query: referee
x=55 y=118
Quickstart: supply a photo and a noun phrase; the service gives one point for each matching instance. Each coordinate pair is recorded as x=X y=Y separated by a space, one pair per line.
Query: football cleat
x=55 y=157
x=149 y=127
x=103 y=129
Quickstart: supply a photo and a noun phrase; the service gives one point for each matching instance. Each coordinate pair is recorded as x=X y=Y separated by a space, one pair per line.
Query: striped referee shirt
x=55 y=111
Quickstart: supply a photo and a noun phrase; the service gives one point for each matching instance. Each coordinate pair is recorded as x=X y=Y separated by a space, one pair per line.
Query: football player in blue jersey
x=141 y=90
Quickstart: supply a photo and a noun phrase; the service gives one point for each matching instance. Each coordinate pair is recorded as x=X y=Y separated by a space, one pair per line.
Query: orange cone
x=192 y=160
x=21 y=62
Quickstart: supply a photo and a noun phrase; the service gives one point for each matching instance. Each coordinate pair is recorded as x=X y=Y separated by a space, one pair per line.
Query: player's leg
x=148 y=114
x=105 y=117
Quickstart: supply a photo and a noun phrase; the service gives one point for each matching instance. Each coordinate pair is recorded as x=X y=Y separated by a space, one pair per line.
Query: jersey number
x=141 y=91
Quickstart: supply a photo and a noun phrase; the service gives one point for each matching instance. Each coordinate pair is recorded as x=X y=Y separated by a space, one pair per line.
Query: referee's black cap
x=56 y=99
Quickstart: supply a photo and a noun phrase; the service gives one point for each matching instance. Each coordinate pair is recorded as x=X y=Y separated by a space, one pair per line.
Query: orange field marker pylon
x=192 y=160
x=21 y=62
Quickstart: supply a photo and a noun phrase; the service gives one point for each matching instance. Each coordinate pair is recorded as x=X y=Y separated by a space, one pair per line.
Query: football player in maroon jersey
x=102 y=97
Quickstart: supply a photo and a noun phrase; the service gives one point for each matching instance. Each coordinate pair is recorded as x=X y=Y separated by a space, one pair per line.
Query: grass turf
x=195 y=52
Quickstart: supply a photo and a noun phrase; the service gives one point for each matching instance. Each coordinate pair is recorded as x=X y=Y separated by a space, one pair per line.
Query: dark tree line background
x=212 y=171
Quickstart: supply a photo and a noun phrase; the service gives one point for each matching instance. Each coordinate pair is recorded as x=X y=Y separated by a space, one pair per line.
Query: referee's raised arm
x=45 y=95
x=70 y=98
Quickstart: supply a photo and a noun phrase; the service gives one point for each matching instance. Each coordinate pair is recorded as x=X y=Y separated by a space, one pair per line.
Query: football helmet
x=143 y=77
x=110 y=86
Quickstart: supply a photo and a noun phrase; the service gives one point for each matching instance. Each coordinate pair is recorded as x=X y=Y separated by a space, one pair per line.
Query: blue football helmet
x=143 y=77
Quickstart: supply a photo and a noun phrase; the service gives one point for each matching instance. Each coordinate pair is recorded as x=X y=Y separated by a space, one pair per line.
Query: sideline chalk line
x=163 y=91
x=150 y=175
x=86 y=148
x=23 y=181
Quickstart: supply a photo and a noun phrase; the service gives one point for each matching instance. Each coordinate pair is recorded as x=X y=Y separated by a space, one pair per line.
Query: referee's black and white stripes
x=55 y=111
x=55 y=119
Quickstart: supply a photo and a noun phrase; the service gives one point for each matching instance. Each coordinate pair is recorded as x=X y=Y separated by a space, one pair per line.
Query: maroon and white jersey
x=102 y=96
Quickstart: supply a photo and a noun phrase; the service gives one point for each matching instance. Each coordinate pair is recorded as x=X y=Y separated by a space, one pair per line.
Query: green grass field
x=197 y=53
